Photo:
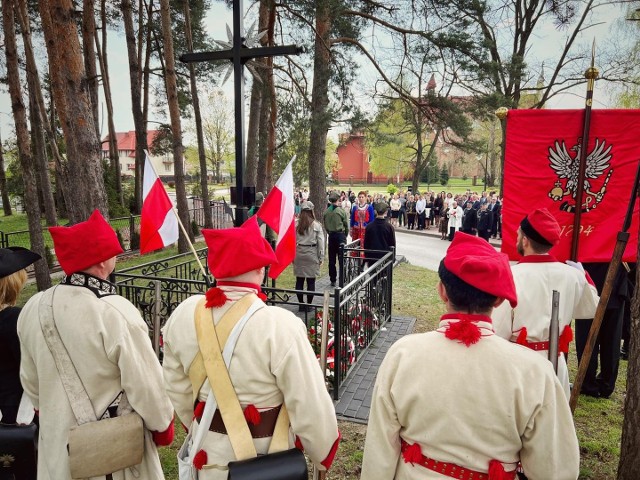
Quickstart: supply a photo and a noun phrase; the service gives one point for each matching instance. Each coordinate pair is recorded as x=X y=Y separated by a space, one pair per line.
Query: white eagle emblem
x=567 y=167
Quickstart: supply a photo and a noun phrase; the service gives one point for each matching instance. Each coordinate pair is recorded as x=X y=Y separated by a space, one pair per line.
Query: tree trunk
x=251 y=166
x=88 y=33
x=6 y=203
x=263 y=131
x=43 y=279
x=71 y=97
x=195 y=100
x=629 y=465
x=36 y=94
x=320 y=117
x=136 y=99
x=40 y=160
x=170 y=78
x=273 y=108
x=101 y=50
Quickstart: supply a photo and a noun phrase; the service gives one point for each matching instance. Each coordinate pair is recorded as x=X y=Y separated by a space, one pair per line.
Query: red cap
x=541 y=226
x=85 y=243
x=476 y=262
x=234 y=251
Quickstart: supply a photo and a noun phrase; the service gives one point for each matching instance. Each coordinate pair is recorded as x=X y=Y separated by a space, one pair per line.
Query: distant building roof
x=127 y=140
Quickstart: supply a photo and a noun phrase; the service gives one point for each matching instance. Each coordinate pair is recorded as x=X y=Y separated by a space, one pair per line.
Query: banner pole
x=590 y=74
x=184 y=232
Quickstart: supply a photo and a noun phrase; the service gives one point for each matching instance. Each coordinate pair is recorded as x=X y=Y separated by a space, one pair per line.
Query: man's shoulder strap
x=197 y=372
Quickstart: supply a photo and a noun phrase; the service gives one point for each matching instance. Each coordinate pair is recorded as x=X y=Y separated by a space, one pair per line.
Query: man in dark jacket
x=485 y=221
x=379 y=235
x=469 y=219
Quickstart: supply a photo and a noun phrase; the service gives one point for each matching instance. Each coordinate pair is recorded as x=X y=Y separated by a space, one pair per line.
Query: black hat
x=14 y=259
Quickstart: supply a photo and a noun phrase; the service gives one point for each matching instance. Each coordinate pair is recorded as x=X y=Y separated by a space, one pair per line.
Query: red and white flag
x=158 y=221
x=277 y=211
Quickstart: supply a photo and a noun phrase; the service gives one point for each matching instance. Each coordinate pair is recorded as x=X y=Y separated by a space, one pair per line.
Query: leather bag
x=287 y=465
x=18 y=450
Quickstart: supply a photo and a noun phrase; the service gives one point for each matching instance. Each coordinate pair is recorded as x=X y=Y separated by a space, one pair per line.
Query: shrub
x=171 y=184
x=392 y=189
x=195 y=228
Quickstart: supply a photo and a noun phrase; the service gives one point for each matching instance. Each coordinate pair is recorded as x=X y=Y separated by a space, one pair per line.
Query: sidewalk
x=433 y=232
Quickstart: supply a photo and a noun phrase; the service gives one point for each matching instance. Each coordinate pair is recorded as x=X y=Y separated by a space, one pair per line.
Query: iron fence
x=357 y=309
x=126 y=227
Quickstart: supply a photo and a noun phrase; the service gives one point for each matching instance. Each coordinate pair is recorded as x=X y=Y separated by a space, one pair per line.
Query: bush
x=49 y=256
x=195 y=228
x=120 y=239
x=444 y=176
x=392 y=189
x=171 y=184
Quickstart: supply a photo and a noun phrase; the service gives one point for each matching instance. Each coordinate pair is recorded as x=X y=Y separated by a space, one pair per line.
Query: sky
x=220 y=16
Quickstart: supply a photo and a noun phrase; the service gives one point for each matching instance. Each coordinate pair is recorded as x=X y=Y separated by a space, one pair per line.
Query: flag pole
x=590 y=74
x=184 y=232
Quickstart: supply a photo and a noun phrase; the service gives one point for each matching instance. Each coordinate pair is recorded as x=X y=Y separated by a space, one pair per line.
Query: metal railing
x=357 y=311
x=124 y=226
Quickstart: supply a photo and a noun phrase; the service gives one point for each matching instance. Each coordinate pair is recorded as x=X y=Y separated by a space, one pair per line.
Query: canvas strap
x=73 y=387
x=226 y=397
x=197 y=373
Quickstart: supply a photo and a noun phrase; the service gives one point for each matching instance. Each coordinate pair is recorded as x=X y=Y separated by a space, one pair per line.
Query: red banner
x=541 y=170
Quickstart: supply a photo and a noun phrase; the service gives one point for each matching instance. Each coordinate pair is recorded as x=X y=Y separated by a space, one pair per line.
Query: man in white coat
x=463 y=403
x=272 y=363
x=536 y=276
x=108 y=343
x=455 y=214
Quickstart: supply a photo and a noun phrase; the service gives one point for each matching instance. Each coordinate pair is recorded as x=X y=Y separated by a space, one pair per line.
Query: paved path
x=355 y=394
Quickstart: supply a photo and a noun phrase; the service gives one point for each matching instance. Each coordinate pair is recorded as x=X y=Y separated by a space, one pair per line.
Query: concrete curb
x=432 y=232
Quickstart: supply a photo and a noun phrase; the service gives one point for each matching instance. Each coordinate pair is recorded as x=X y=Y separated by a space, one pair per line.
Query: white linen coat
x=535 y=277
x=109 y=345
x=455 y=218
x=272 y=363
x=468 y=405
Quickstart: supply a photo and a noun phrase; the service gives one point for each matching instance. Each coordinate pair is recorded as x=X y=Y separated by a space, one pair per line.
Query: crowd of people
x=470 y=212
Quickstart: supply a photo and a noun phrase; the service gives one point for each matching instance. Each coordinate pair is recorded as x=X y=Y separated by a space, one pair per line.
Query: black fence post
x=341 y=266
x=132 y=229
x=337 y=343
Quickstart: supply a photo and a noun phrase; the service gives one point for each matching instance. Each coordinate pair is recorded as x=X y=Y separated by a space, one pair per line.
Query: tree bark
x=320 y=117
x=176 y=128
x=71 y=98
x=6 y=203
x=36 y=92
x=251 y=166
x=88 y=33
x=629 y=465
x=136 y=98
x=43 y=279
x=38 y=119
x=40 y=160
x=273 y=107
x=263 y=130
x=195 y=100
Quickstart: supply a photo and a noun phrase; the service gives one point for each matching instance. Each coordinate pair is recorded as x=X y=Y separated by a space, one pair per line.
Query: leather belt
x=537 y=346
x=312 y=245
x=451 y=469
x=264 y=429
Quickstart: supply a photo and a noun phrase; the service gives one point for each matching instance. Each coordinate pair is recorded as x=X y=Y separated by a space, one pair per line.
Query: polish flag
x=277 y=211
x=158 y=221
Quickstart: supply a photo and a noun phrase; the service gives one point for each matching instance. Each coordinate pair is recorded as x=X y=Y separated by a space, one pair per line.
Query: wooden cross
x=239 y=54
